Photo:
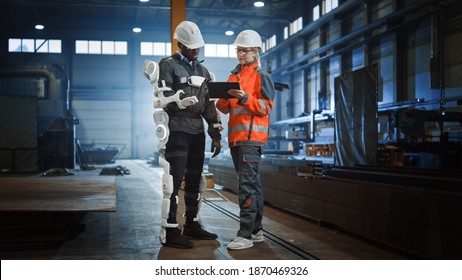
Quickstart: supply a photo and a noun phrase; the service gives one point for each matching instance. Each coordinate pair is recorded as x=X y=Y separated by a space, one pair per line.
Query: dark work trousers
x=250 y=191
x=185 y=153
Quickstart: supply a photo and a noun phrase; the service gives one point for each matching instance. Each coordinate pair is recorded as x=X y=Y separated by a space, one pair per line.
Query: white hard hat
x=248 y=39
x=189 y=35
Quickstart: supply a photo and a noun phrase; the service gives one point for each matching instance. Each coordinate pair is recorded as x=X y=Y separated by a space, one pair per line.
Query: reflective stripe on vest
x=243 y=127
x=243 y=111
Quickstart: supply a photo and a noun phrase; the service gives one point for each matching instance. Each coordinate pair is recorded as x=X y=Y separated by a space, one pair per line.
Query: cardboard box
x=209 y=182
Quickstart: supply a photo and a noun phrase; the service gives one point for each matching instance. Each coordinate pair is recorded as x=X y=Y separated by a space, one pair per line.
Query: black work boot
x=175 y=239
x=194 y=230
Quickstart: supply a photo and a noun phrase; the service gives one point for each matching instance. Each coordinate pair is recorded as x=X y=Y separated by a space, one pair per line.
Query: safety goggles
x=243 y=51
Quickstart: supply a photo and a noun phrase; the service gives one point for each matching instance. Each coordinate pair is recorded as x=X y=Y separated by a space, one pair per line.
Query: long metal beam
x=232 y=12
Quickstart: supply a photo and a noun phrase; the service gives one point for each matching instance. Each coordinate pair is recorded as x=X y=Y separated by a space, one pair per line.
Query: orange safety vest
x=249 y=121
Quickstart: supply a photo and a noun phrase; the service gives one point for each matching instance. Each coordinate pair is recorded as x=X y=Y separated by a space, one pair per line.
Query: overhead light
x=229 y=33
x=259 y=4
x=39 y=26
x=144 y=0
x=136 y=29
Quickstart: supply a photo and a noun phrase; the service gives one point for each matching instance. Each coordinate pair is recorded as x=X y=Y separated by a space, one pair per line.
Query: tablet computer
x=220 y=89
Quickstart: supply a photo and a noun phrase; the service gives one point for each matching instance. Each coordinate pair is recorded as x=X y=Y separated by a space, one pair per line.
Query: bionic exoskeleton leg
x=151 y=72
x=202 y=188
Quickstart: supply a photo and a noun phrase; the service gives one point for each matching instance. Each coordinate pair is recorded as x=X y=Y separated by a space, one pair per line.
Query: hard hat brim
x=195 y=46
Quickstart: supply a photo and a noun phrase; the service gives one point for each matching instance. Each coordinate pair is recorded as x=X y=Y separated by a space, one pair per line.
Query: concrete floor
x=131 y=232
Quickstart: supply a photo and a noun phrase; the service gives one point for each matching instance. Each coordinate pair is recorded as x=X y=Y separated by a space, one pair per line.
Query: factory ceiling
x=213 y=16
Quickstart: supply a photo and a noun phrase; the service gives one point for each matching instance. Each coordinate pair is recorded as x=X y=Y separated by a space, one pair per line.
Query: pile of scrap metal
x=117 y=170
x=102 y=153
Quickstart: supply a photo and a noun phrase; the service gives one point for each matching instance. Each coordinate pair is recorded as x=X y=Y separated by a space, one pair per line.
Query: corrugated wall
x=102 y=101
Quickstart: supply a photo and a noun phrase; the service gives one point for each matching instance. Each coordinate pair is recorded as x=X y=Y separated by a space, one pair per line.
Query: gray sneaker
x=240 y=243
x=258 y=237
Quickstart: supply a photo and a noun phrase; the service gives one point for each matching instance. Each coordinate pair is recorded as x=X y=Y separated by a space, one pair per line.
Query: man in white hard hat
x=186 y=143
x=248 y=129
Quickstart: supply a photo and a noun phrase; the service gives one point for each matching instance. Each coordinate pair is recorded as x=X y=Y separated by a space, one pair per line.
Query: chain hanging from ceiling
x=441 y=65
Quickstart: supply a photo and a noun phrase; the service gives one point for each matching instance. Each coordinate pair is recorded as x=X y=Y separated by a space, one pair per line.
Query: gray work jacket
x=175 y=72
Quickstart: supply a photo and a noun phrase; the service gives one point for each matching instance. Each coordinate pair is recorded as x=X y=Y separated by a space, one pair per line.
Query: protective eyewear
x=243 y=51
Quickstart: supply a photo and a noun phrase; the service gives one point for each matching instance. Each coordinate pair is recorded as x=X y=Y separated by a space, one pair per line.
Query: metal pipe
x=313 y=123
x=27 y=71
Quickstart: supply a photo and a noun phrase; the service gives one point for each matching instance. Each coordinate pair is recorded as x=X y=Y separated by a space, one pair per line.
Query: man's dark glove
x=216 y=147
x=215 y=134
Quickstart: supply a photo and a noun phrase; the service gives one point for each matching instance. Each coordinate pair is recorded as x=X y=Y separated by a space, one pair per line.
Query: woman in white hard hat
x=186 y=143
x=248 y=130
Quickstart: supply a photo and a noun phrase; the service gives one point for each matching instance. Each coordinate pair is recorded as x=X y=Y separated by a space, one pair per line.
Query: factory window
x=329 y=5
x=110 y=47
x=316 y=13
x=271 y=42
x=34 y=45
x=210 y=50
x=101 y=47
x=155 y=48
x=94 y=47
x=232 y=50
x=219 y=50
x=296 y=26
x=223 y=50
